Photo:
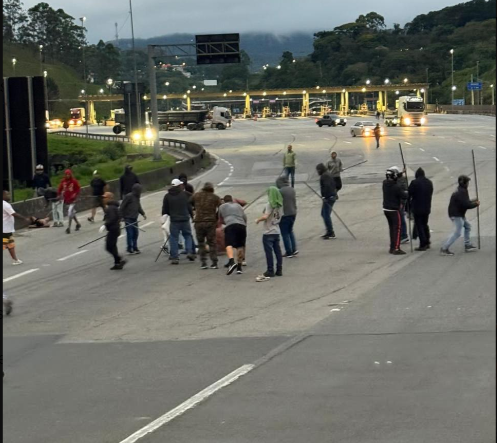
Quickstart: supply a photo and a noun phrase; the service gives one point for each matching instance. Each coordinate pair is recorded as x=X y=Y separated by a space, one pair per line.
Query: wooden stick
x=407 y=180
x=478 y=207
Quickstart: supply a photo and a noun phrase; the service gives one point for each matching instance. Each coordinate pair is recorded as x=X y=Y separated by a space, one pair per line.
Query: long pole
x=407 y=180
x=138 y=104
x=32 y=127
x=357 y=164
x=452 y=71
x=334 y=212
x=477 y=197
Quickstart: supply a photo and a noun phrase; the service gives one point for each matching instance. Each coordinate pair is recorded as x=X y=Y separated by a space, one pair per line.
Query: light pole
x=14 y=61
x=492 y=89
x=83 y=19
x=137 y=94
x=109 y=83
x=41 y=58
x=452 y=73
x=45 y=73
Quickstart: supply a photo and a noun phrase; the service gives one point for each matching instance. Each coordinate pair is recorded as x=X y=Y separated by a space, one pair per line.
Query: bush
x=114 y=151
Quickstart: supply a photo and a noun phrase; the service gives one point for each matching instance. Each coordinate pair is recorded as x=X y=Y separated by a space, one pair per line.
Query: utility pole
x=84 y=74
x=153 y=101
x=117 y=35
x=472 y=93
x=137 y=94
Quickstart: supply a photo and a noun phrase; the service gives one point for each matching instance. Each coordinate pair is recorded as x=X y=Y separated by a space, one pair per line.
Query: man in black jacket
x=41 y=181
x=177 y=206
x=129 y=210
x=328 y=194
x=420 y=194
x=112 y=221
x=459 y=204
x=127 y=180
x=392 y=202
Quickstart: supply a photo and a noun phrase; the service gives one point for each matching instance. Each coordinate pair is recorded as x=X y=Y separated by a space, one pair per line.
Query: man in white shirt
x=8 y=227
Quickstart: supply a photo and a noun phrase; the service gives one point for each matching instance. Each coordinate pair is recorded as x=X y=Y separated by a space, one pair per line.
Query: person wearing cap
x=68 y=191
x=112 y=223
x=335 y=167
x=127 y=180
x=206 y=204
x=98 y=186
x=176 y=205
x=41 y=181
x=458 y=206
x=392 y=203
x=420 y=195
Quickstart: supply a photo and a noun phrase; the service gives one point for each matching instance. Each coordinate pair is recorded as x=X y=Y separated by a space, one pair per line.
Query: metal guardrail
x=164 y=142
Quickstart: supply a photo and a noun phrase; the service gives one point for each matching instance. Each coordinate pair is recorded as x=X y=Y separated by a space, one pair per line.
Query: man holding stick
x=459 y=204
x=112 y=222
x=328 y=195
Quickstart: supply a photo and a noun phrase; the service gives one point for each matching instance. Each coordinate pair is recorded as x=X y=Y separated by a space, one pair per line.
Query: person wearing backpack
x=271 y=236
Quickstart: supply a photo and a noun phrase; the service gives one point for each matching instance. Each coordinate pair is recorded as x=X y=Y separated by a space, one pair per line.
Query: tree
x=13 y=17
x=104 y=60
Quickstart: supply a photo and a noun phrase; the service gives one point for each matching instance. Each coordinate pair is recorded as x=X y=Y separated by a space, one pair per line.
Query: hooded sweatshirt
x=127 y=180
x=326 y=182
x=274 y=209
x=177 y=205
x=460 y=202
x=335 y=167
x=393 y=195
x=420 y=194
x=206 y=204
x=69 y=188
x=289 y=196
x=131 y=206
x=112 y=218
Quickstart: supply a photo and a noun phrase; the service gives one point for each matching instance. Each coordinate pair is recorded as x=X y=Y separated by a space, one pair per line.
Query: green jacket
x=289 y=160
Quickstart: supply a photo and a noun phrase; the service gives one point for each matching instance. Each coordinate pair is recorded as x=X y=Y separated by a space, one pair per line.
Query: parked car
x=364 y=129
x=331 y=120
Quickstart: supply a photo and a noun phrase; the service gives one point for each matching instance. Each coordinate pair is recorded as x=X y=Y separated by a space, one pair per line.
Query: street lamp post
x=41 y=58
x=109 y=83
x=45 y=73
x=493 y=98
x=137 y=94
x=452 y=76
x=14 y=61
x=83 y=19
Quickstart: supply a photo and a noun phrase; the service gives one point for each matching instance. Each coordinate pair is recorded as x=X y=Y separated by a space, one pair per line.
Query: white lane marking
x=421 y=149
x=189 y=404
x=492 y=135
x=72 y=255
x=436 y=159
x=326 y=138
x=461 y=141
x=407 y=143
x=29 y=271
x=335 y=310
x=482 y=147
x=347 y=142
x=391 y=138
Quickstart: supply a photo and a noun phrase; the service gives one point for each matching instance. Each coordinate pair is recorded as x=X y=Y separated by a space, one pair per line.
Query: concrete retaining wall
x=151 y=181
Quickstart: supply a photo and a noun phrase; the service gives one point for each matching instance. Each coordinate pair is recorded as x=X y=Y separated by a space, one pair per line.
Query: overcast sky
x=158 y=17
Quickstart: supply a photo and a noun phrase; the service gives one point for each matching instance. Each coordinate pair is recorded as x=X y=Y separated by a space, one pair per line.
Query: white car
x=364 y=129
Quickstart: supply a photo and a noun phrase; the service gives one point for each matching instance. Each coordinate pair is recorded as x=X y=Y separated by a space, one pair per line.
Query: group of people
x=418 y=198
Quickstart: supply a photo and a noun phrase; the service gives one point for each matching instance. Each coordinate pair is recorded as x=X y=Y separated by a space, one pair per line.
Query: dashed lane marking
x=347 y=142
x=482 y=147
x=72 y=255
x=22 y=274
x=436 y=159
x=461 y=141
x=189 y=404
x=421 y=149
x=407 y=143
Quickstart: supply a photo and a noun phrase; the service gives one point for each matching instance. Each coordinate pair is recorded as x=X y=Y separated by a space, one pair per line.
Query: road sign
x=475 y=86
x=458 y=102
x=217 y=49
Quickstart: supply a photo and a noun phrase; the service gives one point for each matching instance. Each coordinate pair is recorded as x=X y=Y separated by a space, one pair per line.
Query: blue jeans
x=131 y=233
x=286 y=226
x=186 y=229
x=271 y=243
x=460 y=223
x=290 y=171
x=326 y=214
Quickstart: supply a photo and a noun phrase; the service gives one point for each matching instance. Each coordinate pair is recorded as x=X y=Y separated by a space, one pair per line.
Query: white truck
x=410 y=111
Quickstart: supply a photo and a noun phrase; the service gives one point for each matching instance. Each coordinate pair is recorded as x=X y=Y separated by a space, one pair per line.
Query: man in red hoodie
x=69 y=189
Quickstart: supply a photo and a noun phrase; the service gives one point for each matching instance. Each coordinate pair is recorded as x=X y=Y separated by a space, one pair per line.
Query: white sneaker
x=17 y=262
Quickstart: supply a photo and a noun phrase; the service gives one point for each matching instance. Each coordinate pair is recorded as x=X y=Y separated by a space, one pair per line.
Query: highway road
x=351 y=345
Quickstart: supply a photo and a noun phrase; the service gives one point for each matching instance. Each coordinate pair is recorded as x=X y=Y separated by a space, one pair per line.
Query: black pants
x=421 y=223
x=111 y=244
x=393 y=218
x=377 y=142
x=338 y=183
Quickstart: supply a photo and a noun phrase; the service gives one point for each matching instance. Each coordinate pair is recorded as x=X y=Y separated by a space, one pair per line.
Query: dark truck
x=331 y=120
x=192 y=120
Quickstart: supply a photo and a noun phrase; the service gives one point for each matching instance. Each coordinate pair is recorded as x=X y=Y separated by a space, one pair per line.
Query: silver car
x=364 y=129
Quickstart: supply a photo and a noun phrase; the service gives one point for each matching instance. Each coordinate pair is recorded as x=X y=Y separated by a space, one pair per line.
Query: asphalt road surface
x=351 y=345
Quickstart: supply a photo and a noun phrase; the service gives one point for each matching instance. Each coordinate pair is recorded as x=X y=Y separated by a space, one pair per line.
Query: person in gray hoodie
x=288 y=219
x=129 y=210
